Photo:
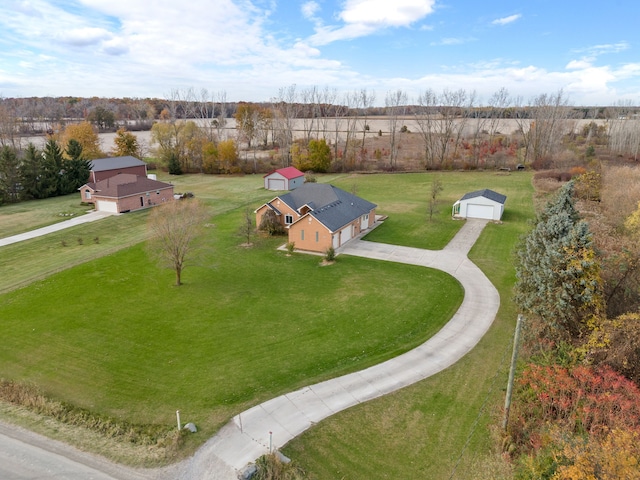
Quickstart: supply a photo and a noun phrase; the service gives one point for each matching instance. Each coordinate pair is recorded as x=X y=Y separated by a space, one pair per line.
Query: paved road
x=89 y=217
x=273 y=423
x=25 y=455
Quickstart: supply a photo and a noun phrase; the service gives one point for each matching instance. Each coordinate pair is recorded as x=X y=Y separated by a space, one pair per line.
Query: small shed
x=288 y=178
x=485 y=204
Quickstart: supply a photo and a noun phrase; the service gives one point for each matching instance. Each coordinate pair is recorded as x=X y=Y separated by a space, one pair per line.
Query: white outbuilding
x=485 y=204
x=288 y=178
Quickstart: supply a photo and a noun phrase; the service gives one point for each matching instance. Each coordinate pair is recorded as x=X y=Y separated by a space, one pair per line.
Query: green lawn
x=113 y=334
x=24 y=216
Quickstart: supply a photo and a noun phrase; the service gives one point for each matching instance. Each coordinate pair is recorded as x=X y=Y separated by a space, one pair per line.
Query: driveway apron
x=272 y=424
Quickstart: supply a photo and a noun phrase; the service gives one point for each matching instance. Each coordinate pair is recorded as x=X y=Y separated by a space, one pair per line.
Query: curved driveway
x=273 y=423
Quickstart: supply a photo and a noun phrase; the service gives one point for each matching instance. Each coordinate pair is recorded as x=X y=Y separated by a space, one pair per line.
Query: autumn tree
x=179 y=140
x=102 y=117
x=86 y=136
x=125 y=144
x=316 y=156
x=228 y=156
x=175 y=229
x=247 y=119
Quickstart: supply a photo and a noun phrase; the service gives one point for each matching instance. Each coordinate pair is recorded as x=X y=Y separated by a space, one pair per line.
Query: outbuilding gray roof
x=112 y=163
x=331 y=206
x=490 y=194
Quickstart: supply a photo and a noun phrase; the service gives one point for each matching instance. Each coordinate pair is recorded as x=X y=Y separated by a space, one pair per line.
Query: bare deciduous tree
x=285 y=111
x=175 y=228
x=542 y=124
x=396 y=105
x=441 y=120
x=436 y=189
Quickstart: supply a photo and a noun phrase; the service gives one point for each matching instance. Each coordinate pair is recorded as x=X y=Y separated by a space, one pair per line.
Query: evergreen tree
x=52 y=182
x=558 y=277
x=76 y=168
x=9 y=175
x=173 y=164
x=32 y=174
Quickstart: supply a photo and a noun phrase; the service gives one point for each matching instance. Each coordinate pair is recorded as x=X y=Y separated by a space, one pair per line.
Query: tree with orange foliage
x=85 y=135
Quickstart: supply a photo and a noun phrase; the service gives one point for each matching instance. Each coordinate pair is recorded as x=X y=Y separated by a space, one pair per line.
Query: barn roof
x=113 y=163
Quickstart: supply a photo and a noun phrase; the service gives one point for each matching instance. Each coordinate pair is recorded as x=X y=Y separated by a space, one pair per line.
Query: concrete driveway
x=89 y=217
x=273 y=423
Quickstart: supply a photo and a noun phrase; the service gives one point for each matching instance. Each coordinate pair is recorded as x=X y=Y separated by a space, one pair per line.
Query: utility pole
x=512 y=372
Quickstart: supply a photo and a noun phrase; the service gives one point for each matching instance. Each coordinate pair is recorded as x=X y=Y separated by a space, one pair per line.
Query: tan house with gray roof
x=318 y=216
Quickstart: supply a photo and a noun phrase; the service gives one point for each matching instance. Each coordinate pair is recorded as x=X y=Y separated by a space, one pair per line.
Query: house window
x=288 y=219
x=301 y=234
x=87 y=194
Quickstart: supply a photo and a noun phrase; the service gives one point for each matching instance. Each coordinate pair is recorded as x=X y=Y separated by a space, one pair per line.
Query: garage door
x=480 y=211
x=276 y=184
x=345 y=235
x=105 y=206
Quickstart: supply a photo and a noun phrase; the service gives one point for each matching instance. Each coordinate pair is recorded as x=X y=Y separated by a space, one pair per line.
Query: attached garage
x=485 y=204
x=345 y=234
x=107 y=206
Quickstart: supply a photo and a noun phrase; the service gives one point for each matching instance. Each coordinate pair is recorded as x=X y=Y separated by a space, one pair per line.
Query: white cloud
x=364 y=17
x=506 y=20
x=398 y=13
x=597 y=50
x=309 y=9
x=81 y=37
x=578 y=64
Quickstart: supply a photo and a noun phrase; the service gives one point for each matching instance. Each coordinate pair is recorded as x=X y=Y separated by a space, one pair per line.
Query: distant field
x=112 y=334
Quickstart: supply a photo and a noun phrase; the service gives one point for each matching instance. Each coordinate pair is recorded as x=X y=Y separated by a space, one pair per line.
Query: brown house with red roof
x=126 y=192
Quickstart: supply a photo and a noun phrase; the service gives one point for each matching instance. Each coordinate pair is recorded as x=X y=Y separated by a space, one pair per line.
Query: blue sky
x=251 y=49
